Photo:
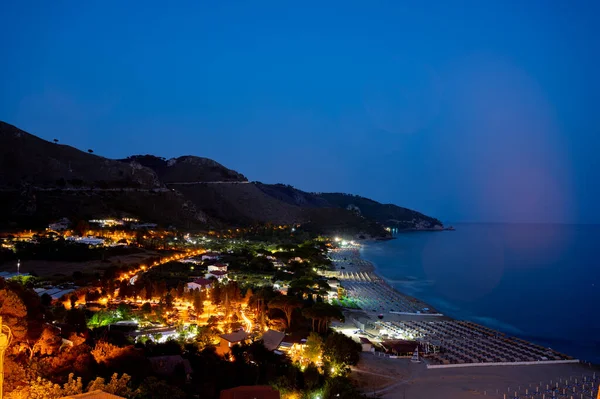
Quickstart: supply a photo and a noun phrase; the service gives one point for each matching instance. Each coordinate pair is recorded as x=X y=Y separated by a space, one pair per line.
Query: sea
x=539 y=282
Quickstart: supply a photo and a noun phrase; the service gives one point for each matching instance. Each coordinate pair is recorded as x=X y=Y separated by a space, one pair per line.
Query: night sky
x=483 y=111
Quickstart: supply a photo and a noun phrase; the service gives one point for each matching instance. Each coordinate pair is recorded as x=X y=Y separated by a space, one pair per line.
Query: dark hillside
x=240 y=203
x=293 y=196
x=338 y=221
x=35 y=208
x=42 y=181
x=25 y=158
x=387 y=214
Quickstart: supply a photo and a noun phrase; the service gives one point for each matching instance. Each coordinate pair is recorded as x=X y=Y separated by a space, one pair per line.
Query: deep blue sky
x=468 y=111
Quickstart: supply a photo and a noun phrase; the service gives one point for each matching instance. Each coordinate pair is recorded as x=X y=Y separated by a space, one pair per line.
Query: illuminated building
x=228 y=340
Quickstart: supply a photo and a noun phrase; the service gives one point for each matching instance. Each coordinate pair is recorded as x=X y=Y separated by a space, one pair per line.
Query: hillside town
x=193 y=314
x=146 y=306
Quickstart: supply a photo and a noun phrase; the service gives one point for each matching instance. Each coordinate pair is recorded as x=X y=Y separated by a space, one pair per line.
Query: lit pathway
x=246 y=320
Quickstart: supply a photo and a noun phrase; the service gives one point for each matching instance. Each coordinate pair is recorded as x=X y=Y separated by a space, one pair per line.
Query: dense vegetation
x=98 y=357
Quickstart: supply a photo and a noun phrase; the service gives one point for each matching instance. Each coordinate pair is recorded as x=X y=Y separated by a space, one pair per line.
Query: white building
x=199 y=284
x=367 y=346
x=218 y=267
x=54 y=292
x=218 y=274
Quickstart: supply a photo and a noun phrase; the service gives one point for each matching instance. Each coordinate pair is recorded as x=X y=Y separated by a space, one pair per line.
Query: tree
x=146 y=308
x=44 y=389
x=287 y=304
x=341 y=388
x=322 y=313
x=169 y=302
x=14 y=314
x=180 y=289
x=90 y=151
x=311 y=377
x=341 y=350
x=154 y=388
x=248 y=296
x=124 y=290
x=103 y=352
x=76 y=319
x=73 y=300
x=313 y=347
x=198 y=302
x=46 y=300
x=160 y=289
x=216 y=293
x=47 y=344
x=55 y=141
x=142 y=293
x=116 y=386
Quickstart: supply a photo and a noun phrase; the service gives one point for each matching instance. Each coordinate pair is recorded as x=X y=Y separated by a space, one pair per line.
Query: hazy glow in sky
x=471 y=111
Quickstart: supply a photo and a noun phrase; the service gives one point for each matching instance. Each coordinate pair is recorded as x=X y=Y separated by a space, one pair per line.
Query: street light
x=5 y=339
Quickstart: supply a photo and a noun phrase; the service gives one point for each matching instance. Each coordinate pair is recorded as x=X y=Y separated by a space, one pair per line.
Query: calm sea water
x=537 y=282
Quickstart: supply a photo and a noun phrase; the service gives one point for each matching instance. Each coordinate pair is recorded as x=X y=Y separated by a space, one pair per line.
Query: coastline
x=353 y=267
x=398 y=268
x=385 y=314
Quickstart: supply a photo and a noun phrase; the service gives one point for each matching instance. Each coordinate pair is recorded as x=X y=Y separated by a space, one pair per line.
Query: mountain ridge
x=41 y=181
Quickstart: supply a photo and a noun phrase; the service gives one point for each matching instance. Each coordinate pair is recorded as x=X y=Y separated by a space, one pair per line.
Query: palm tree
x=55 y=141
x=90 y=151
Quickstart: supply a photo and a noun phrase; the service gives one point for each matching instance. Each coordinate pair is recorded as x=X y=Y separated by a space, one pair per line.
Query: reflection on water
x=537 y=281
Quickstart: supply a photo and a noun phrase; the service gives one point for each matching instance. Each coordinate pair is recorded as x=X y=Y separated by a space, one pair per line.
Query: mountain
x=186 y=169
x=42 y=181
x=386 y=214
x=25 y=158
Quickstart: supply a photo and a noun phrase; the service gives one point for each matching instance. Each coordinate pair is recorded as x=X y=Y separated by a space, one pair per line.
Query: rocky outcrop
x=187 y=169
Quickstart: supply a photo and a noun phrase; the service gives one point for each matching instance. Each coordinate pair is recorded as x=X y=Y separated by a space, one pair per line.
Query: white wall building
x=218 y=267
x=218 y=274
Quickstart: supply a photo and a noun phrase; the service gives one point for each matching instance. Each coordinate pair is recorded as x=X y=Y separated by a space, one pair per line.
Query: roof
x=98 y=394
x=218 y=273
x=295 y=339
x=234 y=337
x=202 y=281
x=364 y=340
x=272 y=339
x=400 y=346
x=285 y=345
x=167 y=365
x=9 y=275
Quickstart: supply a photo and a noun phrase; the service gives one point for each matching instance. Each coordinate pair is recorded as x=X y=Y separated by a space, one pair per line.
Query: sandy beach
x=459 y=359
